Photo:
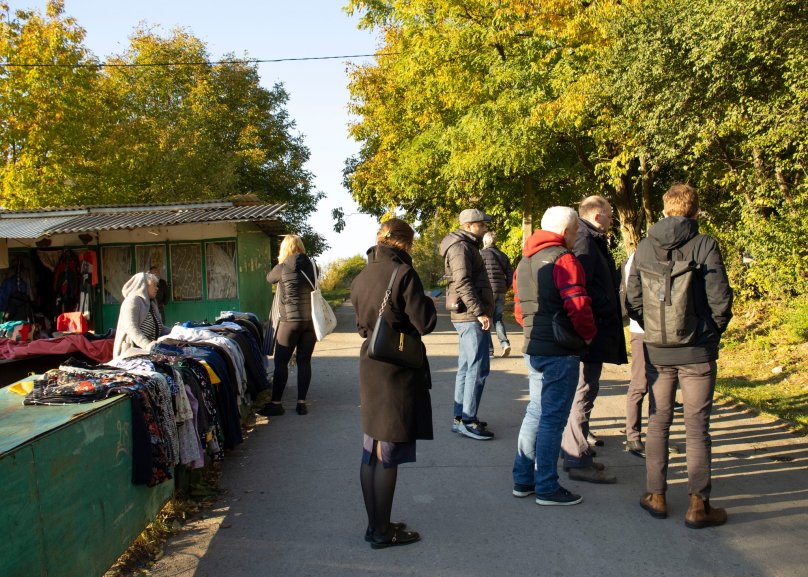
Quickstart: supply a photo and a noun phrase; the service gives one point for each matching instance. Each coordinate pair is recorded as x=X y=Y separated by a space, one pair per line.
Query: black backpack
x=670 y=315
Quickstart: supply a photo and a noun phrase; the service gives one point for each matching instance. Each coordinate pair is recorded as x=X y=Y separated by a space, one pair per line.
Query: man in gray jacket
x=471 y=302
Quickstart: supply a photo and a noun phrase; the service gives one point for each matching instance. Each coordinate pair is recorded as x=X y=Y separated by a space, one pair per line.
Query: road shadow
x=293 y=505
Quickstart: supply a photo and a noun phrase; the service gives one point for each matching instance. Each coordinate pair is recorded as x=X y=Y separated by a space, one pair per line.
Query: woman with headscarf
x=395 y=403
x=294 y=275
x=139 y=320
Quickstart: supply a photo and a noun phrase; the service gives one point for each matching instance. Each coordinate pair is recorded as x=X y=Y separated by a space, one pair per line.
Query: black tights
x=378 y=488
x=293 y=336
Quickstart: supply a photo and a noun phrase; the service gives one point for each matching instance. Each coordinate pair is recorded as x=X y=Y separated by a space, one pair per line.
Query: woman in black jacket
x=395 y=403
x=294 y=275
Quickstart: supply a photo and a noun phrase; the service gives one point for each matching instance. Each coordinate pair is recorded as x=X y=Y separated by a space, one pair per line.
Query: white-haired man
x=550 y=290
x=500 y=275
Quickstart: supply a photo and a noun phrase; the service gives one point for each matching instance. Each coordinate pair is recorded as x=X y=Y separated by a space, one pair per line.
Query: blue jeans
x=473 y=366
x=499 y=326
x=552 y=381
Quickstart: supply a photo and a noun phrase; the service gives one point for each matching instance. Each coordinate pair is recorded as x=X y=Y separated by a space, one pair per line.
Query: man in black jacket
x=471 y=302
x=684 y=354
x=500 y=275
x=609 y=346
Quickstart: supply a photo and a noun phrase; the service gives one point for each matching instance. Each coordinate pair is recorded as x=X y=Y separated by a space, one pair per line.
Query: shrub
x=341 y=273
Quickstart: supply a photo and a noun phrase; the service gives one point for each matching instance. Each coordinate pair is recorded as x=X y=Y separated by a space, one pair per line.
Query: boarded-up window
x=220 y=263
x=117 y=267
x=186 y=272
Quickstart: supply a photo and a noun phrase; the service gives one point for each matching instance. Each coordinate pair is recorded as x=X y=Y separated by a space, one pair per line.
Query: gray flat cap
x=473 y=215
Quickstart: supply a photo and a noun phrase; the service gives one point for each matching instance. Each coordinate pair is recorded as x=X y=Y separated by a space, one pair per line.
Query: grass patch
x=764 y=360
x=336 y=296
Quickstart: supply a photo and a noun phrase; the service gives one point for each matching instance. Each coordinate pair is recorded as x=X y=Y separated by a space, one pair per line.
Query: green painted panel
x=23 y=545
x=20 y=424
x=109 y=318
x=68 y=506
x=254 y=262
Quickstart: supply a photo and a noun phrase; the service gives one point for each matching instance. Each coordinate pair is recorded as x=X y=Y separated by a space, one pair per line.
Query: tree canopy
x=514 y=106
x=157 y=122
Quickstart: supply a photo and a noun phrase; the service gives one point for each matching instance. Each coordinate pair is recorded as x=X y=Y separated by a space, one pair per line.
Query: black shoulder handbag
x=565 y=334
x=391 y=346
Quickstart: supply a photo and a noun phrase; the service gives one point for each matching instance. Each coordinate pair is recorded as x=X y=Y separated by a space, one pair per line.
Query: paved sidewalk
x=293 y=506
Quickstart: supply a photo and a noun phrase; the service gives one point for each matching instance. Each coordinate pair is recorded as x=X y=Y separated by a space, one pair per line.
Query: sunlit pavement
x=293 y=506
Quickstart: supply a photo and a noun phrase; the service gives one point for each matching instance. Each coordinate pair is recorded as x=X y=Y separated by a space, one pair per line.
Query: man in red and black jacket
x=550 y=283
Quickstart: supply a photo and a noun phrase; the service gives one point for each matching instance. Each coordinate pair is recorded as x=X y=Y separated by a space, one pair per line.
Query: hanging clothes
x=86 y=292
x=67 y=282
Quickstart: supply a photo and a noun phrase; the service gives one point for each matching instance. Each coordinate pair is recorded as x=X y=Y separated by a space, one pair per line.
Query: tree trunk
x=646 y=194
x=627 y=213
x=527 y=210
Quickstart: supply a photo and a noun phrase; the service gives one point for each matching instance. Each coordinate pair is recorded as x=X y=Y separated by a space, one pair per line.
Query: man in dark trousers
x=678 y=291
x=609 y=346
x=500 y=275
x=471 y=302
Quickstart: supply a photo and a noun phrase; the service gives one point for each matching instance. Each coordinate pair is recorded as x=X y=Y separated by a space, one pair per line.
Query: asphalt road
x=293 y=506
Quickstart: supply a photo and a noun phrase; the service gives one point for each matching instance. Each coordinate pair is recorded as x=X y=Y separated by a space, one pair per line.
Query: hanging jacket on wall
x=67 y=282
x=16 y=303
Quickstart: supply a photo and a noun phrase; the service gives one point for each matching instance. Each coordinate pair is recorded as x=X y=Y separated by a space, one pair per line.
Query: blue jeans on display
x=499 y=326
x=473 y=366
x=552 y=381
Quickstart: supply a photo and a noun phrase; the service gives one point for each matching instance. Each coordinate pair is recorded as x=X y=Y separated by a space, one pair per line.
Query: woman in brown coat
x=395 y=403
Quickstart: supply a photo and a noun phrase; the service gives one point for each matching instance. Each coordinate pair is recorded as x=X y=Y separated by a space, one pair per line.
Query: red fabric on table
x=71 y=322
x=99 y=350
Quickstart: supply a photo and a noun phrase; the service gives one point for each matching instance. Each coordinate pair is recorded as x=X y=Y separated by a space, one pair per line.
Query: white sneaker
x=506 y=350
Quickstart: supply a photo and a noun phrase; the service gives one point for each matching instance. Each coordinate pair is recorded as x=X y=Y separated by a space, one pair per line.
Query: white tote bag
x=321 y=314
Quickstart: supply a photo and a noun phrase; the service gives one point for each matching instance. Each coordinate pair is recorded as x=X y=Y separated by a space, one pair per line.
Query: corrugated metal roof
x=93 y=208
x=29 y=227
x=23 y=226
x=131 y=220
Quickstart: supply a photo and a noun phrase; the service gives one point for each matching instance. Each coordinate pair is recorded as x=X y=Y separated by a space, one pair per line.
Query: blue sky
x=317 y=90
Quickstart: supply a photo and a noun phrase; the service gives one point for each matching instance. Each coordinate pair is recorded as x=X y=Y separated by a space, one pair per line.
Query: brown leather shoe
x=592 y=474
x=655 y=505
x=700 y=514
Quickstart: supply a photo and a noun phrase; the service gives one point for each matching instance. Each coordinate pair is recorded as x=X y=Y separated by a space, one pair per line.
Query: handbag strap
x=315 y=283
x=389 y=290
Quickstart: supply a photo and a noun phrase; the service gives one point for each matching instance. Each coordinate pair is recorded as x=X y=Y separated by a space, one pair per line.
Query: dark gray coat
x=468 y=279
x=500 y=272
x=395 y=401
x=603 y=287
x=713 y=296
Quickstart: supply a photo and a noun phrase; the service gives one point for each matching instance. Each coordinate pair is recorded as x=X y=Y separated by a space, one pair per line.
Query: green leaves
x=513 y=106
x=162 y=124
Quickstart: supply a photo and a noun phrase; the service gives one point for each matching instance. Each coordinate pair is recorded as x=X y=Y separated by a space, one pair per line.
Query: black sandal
x=393 y=525
x=399 y=537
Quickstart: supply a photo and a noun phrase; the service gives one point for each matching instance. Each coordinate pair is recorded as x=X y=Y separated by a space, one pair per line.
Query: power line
x=197 y=63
